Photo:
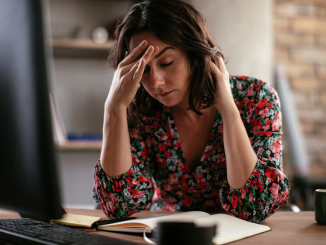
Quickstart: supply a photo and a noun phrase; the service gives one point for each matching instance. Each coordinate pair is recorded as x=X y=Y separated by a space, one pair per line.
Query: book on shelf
x=58 y=127
x=229 y=228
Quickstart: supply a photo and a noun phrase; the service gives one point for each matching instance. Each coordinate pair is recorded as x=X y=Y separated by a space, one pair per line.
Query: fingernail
x=142 y=42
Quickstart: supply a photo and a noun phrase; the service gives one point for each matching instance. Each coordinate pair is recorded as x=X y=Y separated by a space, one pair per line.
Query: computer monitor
x=28 y=175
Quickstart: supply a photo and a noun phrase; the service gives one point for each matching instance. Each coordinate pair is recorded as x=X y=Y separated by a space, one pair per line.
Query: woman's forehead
x=151 y=38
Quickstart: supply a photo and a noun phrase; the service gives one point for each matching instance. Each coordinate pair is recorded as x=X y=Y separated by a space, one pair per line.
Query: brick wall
x=300 y=44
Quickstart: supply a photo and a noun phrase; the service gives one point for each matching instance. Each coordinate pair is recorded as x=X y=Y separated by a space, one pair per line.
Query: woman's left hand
x=224 y=99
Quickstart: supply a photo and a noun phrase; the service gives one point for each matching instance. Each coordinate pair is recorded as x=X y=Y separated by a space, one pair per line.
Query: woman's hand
x=224 y=100
x=128 y=75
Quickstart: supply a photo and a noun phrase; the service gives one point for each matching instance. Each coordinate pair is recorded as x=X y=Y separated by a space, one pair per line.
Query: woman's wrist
x=229 y=111
x=111 y=108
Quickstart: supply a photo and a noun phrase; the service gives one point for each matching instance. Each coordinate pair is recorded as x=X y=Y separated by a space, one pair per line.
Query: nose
x=156 y=78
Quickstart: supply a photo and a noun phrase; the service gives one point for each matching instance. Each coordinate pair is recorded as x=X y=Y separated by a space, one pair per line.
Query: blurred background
x=254 y=35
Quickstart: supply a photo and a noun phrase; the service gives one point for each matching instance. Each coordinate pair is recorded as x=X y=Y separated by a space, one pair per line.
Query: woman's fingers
x=147 y=56
x=221 y=65
x=134 y=54
x=216 y=70
x=139 y=71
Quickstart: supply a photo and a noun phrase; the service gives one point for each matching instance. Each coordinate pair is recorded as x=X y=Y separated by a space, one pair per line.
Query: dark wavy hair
x=179 y=24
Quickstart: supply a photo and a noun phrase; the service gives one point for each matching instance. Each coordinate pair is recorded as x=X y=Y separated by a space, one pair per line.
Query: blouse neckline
x=176 y=136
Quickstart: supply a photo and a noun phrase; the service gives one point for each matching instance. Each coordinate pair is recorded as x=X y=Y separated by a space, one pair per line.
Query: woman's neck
x=183 y=112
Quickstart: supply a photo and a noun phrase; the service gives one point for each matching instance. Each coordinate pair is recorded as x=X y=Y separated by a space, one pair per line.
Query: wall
x=300 y=44
x=243 y=30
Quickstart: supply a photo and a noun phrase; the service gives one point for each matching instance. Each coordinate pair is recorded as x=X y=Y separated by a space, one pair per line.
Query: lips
x=165 y=94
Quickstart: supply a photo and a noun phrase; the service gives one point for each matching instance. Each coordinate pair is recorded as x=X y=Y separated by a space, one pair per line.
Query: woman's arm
x=267 y=188
x=115 y=154
x=240 y=156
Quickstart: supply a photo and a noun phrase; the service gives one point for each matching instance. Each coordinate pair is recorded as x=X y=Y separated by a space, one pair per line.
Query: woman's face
x=166 y=77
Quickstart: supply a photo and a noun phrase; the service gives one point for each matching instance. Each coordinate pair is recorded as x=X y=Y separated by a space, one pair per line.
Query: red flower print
x=142 y=178
x=270 y=173
x=269 y=105
x=170 y=142
x=117 y=186
x=276 y=147
x=250 y=91
x=267 y=133
x=245 y=100
x=111 y=207
x=264 y=112
x=132 y=212
x=167 y=154
x=113 y=198
x=276 y=125
x=281 y=175
x=208 y=203
x=262 y=103
x=201 y=185
x=180 y=193
x=144 y=153
x=215 y=193
x=242 y=216
x=243 y=193
x=187 y=200
x=135 y=160
x=133 y=192
x=173 y=178
x=225 y=206
x=168 y=187
x=257 y=126
x=267 y=125
x=251 y=198
x=258 y=88
x=234 y=200
x=161 y=147
x=274 y=190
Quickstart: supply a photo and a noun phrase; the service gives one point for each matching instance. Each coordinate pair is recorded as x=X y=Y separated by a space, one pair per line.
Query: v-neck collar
x=176 y=136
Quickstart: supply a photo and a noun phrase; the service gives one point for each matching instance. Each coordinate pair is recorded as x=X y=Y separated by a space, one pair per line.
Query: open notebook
x=229 y=228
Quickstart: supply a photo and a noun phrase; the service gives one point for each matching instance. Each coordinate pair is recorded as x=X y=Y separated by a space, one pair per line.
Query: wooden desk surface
x=287 y=228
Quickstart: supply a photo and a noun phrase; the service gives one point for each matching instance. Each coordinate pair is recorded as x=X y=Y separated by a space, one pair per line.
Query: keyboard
x=30 y=231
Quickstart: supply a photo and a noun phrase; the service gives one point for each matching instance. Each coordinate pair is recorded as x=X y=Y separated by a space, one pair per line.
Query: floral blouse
x=159 y=178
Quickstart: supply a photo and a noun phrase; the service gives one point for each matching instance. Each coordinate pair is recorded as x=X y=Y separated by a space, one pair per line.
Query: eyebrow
x=166 y=48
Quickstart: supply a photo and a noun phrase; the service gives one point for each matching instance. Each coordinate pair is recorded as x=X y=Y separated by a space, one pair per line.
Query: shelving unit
x=81 y=82
x=80 y=145
x=79 y=48
x=85 y=48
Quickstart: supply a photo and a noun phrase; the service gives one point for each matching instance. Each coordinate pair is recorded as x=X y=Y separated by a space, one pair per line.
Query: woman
x=179 y=132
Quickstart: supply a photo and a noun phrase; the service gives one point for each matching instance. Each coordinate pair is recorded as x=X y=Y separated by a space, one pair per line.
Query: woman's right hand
x=128 y=75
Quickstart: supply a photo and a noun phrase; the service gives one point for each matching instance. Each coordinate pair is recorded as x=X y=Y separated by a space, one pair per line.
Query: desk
x=287 y=228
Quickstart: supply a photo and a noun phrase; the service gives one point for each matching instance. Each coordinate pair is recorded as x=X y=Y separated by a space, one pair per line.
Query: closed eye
x=161 y=65
x=167 y=64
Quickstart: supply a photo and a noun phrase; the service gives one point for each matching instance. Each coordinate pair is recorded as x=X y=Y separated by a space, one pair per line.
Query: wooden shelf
x=81 y=145
x=80 y=48
x=80 y=44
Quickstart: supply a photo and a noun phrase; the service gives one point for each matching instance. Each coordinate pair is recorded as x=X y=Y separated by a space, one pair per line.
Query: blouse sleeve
x=130 y=192
x=267 y=189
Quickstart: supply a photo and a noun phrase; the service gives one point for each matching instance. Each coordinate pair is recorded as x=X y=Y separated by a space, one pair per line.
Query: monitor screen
x=28 y=175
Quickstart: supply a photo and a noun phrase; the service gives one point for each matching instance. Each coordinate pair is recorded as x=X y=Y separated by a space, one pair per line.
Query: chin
x=168 y=102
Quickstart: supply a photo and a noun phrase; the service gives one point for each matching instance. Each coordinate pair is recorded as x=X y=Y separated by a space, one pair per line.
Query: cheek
x=146 y=86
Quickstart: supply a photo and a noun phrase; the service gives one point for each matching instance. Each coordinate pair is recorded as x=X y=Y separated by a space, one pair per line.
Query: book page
x=76 y=220
x=230 y=228
x=151 y=222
